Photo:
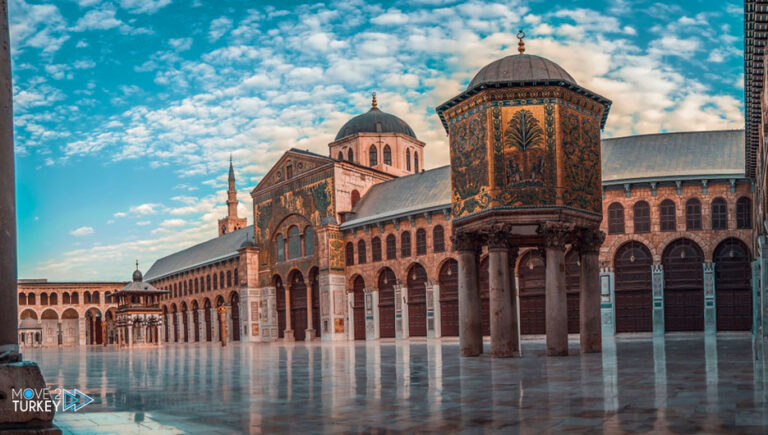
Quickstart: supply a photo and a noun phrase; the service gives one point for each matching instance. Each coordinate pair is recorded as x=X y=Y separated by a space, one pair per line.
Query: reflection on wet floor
x=678 y=383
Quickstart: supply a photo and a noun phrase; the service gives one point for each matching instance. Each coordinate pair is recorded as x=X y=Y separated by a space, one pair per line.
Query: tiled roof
x=423 y=191
x=207 y=252
x=673 y=156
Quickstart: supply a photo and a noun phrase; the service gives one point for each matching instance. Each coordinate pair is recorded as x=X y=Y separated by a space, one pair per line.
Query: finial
x=373 y=101
x=230 y=159
x=137 y=264
x=521 y=44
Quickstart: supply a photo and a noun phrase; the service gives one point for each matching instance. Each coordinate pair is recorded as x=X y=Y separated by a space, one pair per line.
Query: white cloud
x=144 y=6
x=38 y=26
x=82 y=231
x=219 y=27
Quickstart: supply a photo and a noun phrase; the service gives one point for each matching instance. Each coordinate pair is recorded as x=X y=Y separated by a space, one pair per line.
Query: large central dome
x=520 y=68
x=375 y=121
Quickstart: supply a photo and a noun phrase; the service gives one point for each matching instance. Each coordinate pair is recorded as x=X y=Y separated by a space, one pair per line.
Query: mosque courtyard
x=678 y=383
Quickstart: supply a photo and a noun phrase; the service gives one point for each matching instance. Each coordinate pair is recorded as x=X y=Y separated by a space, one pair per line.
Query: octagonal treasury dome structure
x=525 y=147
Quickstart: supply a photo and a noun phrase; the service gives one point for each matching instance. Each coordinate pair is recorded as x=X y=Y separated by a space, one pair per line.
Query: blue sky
x=126 y=112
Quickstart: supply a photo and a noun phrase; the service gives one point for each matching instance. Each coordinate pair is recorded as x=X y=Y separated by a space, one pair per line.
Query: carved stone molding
x=498 y=240
x=466 y=241
x=589 y=241
x=556 y=234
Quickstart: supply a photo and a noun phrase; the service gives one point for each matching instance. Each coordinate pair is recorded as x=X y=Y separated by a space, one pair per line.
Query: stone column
x=201 y=324
x=657 y=286
x=288 y=333
x=607 y=302
x=500 y=298
x=590 y=332
x=130 y=336
x=309 y=334
x=470 y=310
x=710 y=315
x=180 y=328
x=555 y=237
x=514 y=301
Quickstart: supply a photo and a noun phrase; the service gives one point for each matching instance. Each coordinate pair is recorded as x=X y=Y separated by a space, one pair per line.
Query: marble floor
x=680 y=384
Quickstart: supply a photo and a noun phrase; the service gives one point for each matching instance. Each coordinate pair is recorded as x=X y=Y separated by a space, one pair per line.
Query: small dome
x=520 y=68
x=248 y=243
x=375 y=121
x=137 y=277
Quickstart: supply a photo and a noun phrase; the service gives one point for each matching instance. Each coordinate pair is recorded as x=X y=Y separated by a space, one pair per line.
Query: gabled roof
x=269 y=178
x=673 y=156
x=211 y=251
x=427 y=190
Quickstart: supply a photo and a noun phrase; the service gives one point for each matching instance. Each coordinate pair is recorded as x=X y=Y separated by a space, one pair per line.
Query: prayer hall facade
x=357 y=243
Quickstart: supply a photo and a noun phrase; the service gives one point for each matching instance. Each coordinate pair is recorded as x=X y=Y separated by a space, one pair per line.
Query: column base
x=22 y=375
x=288 y=335
x=309 y=335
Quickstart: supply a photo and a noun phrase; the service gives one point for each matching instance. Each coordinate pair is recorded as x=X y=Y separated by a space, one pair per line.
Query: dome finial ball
x=373 y=100
x=520 y=44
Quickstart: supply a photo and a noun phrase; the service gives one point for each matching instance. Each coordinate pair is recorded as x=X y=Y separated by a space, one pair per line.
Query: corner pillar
x=657 y=286
x=470 y=310
x=588 y=247
x=500 y=295
x=710 y=309
x=555 y=237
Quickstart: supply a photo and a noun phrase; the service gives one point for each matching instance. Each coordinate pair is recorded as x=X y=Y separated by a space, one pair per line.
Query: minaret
x=231 y=222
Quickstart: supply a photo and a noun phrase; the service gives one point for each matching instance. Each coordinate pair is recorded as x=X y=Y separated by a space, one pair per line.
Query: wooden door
x=298 y=307
x=485 y=296
x=359 y=307
x=531 y=277
x=733 y=286
x=316 y=304
x=417 y=301
x=634 y=299
x=683 y=286
x=280 y=305
x=449 y=298
x=387 y=303
x=572 y=283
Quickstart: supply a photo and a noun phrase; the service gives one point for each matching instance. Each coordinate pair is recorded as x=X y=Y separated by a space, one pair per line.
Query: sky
x=126 y=112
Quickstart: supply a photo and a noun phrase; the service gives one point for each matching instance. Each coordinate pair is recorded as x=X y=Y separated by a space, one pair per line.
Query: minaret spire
x=232 y=222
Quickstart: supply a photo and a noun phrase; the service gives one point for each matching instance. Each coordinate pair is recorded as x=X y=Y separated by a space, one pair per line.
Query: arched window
x=361 y=254
x=405 y=244
x=693 y=214
x=391 y=247
x=31 y=298
x=236 y=278
x=642 y=212
x=309 y=241
x=208 y=282
x=175 y=290
x=387 y=155
x=55 y=299
x=719 y=214
x=44 y=298
x=215 y=281
x=279 y=247
x=22 y=299
x=415 y=161
x=355 y=197
x=197 y=286
x=294 y=243
x=341 y=156
x=408 y=159
x=351 y=156
x=65 y=299
x=615 y=219
x=86 y=298
x=221 y=279
x=438 y=239
x=421 y=241
x=667 y=215
x=376 y=249
x=743 y=213
x=373 y=156
x=229 y=278
x=350 y=254
x=95 y=298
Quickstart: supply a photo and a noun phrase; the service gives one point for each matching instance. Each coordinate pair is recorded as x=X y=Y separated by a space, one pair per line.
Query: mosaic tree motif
x=524 y=151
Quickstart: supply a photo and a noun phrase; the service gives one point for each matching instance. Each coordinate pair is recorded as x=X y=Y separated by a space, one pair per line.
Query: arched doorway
x=386 y=286
x=175 y=320
x=298 y=305
x=277 y=282
x=683 y=286
x=314 y=281
x=70 y=327
x=449 y=298
x=417 y=301
x=165 y=323
x=733 y=285
x=485 y=296
x=49 y=323
x=572 y=284
x=234 y=305
x=208 y=318
x=358 y=307
x=531 y=277
x=184 y=324
x=633 y=289
x=220 y=336
x=196 y=320
x=94 y=333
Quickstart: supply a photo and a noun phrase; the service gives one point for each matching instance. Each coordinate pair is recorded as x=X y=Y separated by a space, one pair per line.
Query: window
x=642 y=213
x=719 y=214
x=221 y=279
x=86 y=298
x=279 y=246
x=408 y=160
x=64 y=298
x=289 y=172
x=197 y=286
x=376 y=249
x=208 y=282
x=693 y=214
x=615 y=219
x=23 y=299
x=361 y=255
x=215 y=281
x=438 y=239
x=391 y=247
x=351 y=156
x=341 y=156
x=373 y=156
x=405 y=244
x=309 y=241
x=743 y=213
x=236 y=278
x=294 y=243
x=421 y=241
x=415 y=162
x=229 y=278
x=31 y=298
x=55 y=299
x=667 y=215
x=176 y=289
x=350 y=254
x=387 y=155
x=95 y=298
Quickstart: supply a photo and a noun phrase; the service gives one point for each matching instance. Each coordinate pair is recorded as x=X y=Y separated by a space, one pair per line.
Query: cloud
x=82 y=231
x=144 y=6
x=36 y=26
x=218 y=28
x=105 y=19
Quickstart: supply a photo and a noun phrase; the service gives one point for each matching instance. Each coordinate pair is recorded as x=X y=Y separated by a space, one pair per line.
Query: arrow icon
x=75 y=399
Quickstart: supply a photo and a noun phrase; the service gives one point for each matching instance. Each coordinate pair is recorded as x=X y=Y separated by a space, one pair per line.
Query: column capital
x=555 y=234
x=589 y=241
x=497 y=240
x=466 y=241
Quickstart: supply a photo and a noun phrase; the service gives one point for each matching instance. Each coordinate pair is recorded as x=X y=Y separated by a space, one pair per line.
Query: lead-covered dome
x=520 y=68
x=375 y=121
